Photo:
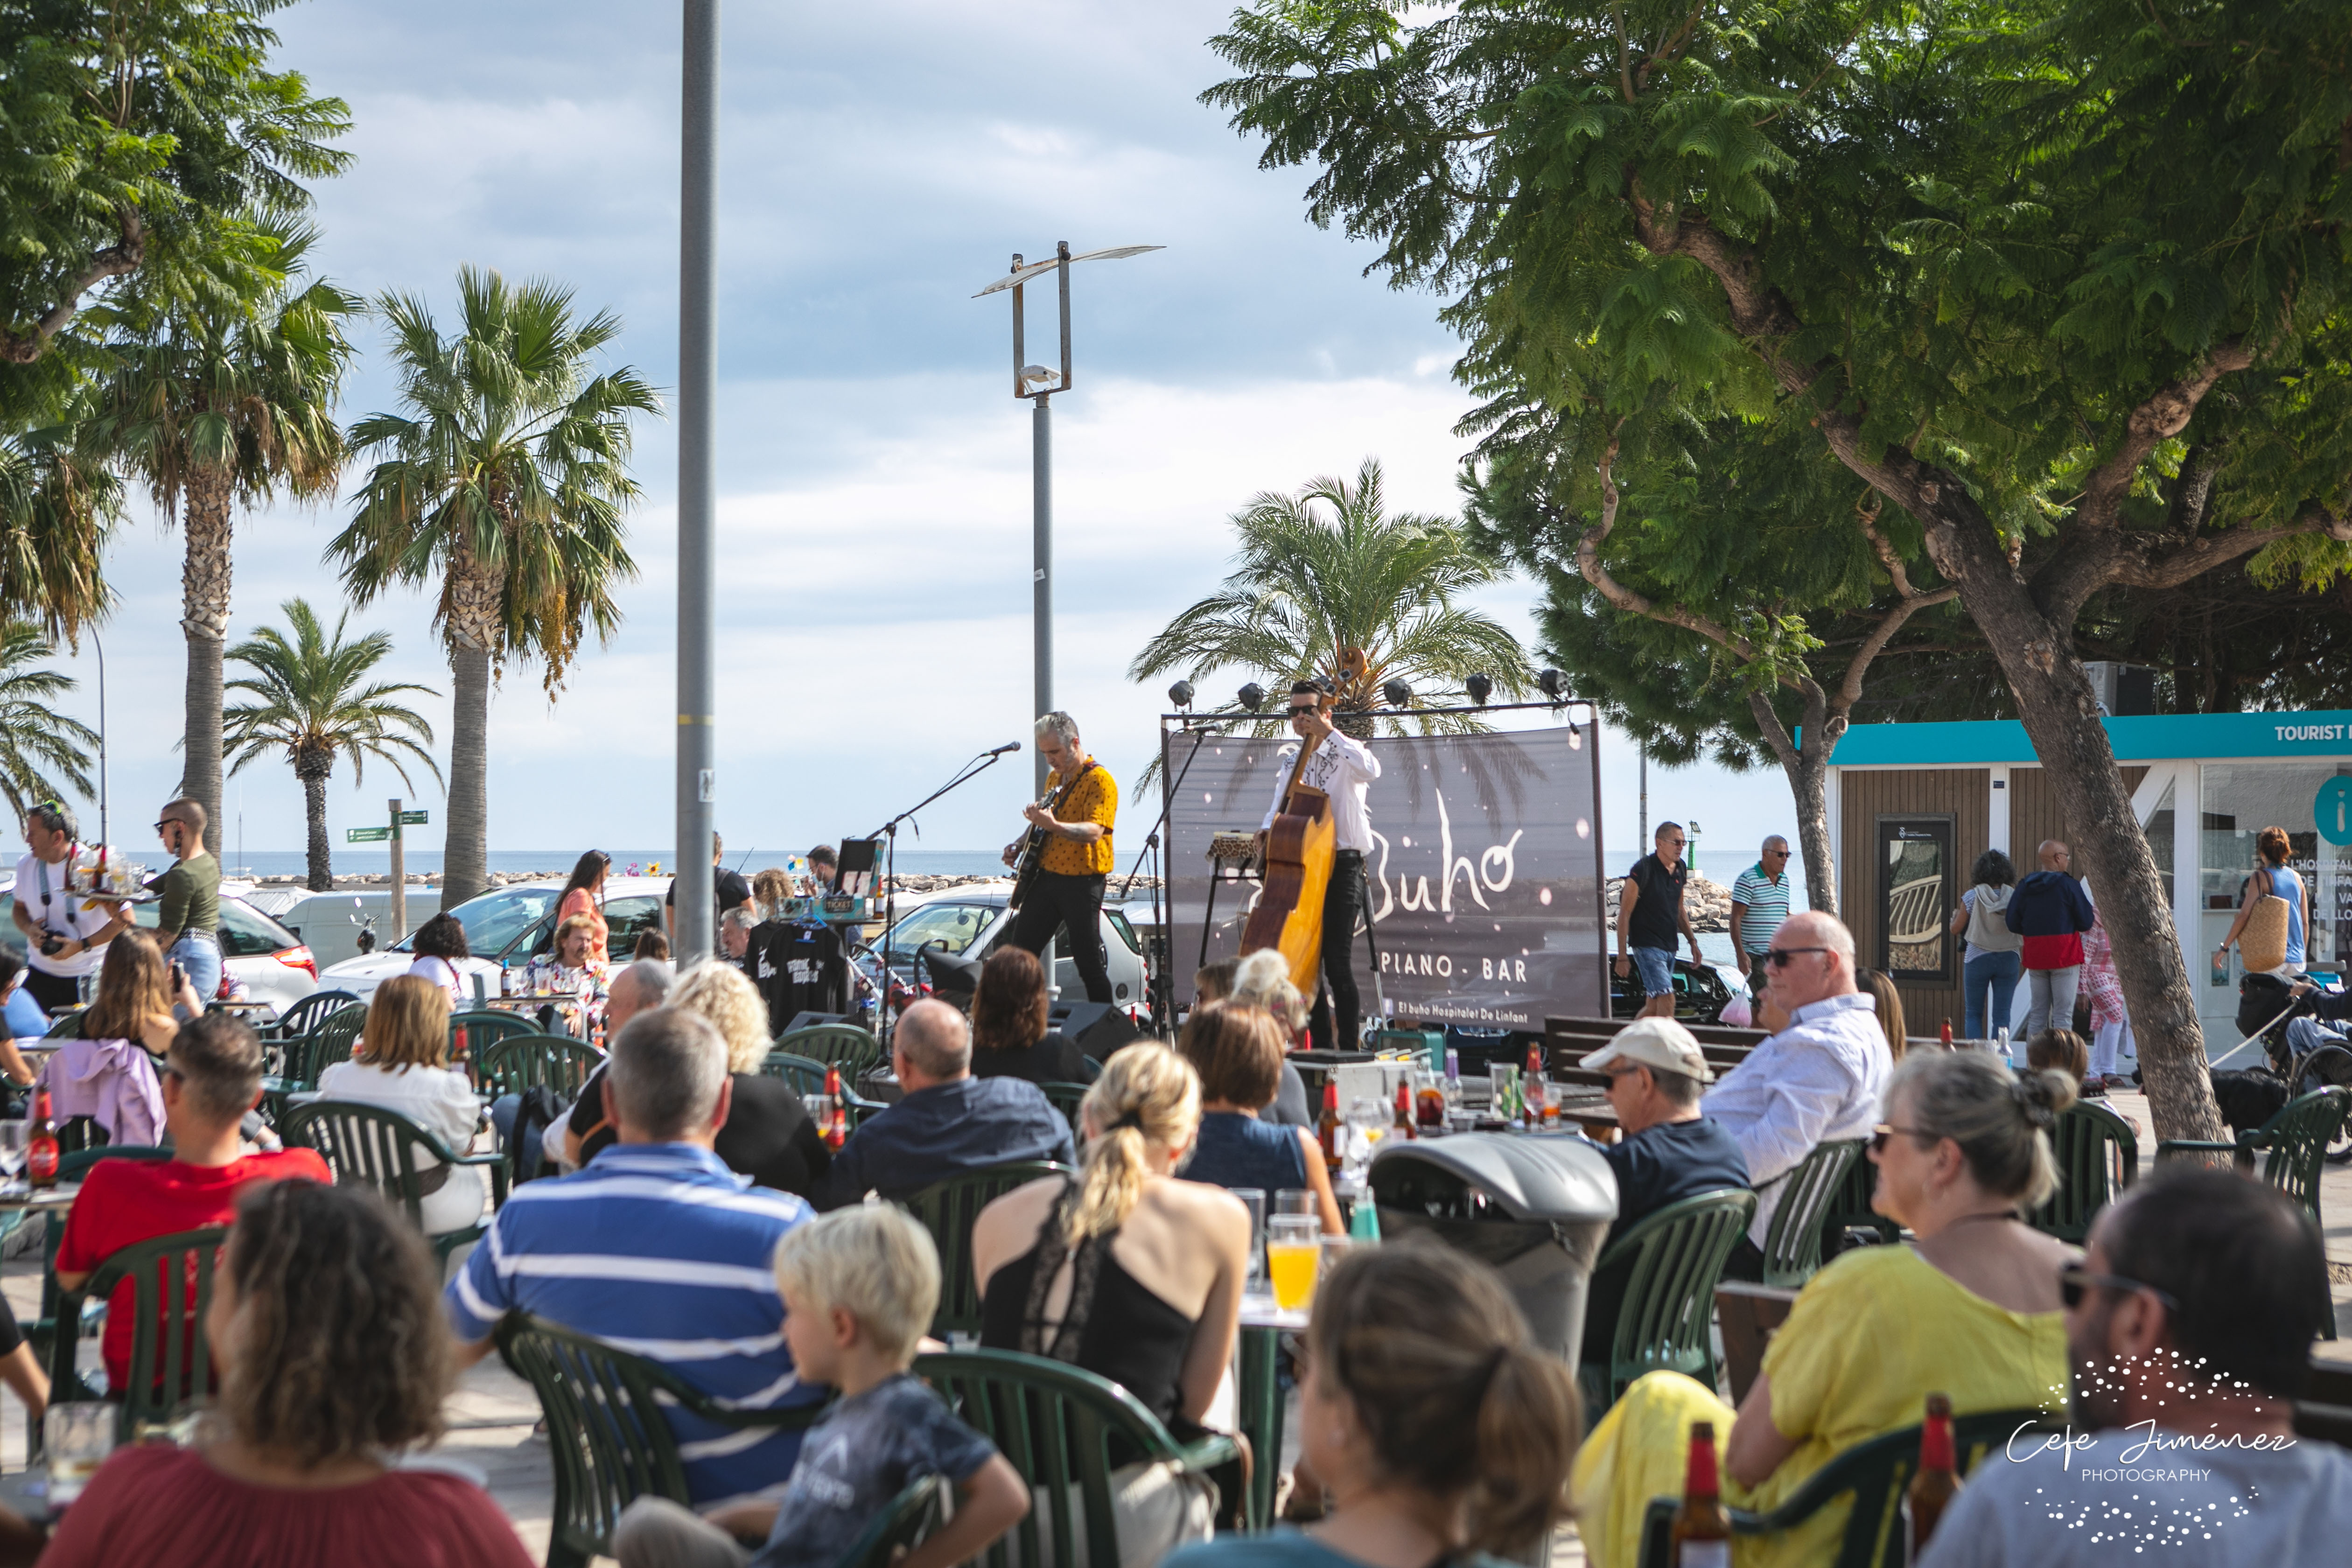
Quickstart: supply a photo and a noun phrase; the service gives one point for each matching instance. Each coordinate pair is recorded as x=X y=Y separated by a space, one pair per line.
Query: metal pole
x=399 y=877
x=1042 y=484
x=1642 y=847
x=101 y=734
x=698 y=392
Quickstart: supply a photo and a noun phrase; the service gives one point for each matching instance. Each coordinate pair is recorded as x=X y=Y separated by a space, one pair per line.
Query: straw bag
x=2262 y=944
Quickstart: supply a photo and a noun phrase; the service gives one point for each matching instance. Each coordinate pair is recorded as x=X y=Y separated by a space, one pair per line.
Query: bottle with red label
x=1948 y=1033
x=1702 y=1530
x=1329 y=1131
x=1403 y=1126
x=41 y=1144
x=837 y=1131
x=1532 y=1089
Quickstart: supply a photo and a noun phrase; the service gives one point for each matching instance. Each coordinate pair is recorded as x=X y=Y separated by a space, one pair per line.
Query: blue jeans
x=199 y=954
x=1656 y=965
x=1996 y=973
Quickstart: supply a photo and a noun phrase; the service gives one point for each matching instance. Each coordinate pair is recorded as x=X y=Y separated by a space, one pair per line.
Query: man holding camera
x=63 y=940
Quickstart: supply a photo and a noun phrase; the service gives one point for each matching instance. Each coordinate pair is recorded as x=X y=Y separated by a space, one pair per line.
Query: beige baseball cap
x=1660 y=1044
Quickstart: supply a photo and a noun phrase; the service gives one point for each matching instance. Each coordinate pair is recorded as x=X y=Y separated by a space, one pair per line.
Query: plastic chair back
x=898 y=1528
x=1065 y=1097
x=2098 y=1156
x=371 y=1145
x=1676 y=1257
x=304 y=1016
x=2296 y=1141
x=1054 y=1425
x=946 y=1209
x=1849 y=1209
x=172 y=1289
x=66 y=1025
x=485 y=1028
x=533 y=1060
x=844 y=1046
x=806 y=1074
x=1792 y=1243
x=41 y=1333
x=329 y=1039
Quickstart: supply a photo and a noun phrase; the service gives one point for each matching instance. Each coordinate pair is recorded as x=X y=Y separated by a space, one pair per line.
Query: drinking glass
x=77 y=1438
x=1297 y=1201
x=12 y=1147
x=819 y=1107
x=1505 y=1082
x=1293 y=1248
x=1254 y=1200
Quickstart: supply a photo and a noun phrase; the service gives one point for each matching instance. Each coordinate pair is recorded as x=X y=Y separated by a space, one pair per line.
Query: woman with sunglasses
x=1969 y=1308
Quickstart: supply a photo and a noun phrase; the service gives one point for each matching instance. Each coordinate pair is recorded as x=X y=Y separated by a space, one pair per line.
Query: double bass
x=1288 y=914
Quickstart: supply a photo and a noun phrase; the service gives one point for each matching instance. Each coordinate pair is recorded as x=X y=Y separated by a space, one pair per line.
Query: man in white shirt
x=63 y=941
x=1816 y=1081
x=1343 y=768
x=2189 y=1326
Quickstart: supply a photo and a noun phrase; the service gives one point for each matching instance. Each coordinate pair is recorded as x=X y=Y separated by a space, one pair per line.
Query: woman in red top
x=327 y=1330
x=585 y=895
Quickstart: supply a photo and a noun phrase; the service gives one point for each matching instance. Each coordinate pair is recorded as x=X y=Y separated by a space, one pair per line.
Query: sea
x=361 y=862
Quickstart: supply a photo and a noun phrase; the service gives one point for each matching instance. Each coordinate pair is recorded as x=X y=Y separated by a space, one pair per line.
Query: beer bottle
x=41 y=1145
x=1329 y=1131
x=1933 y=1487
x=1702 y=1530
x=1403 y=1127
x=1532 y=1091
x=1948 y=1033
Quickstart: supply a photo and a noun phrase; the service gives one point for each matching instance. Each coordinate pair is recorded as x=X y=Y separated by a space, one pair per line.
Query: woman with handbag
x=2275 y=914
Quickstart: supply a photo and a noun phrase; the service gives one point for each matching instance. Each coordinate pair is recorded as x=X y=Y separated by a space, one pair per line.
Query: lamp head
x=1553 y=684
x=1252 y=696
x=1039 y=376
x=1181 y=694
x=1479 y=687
x=1399 y=694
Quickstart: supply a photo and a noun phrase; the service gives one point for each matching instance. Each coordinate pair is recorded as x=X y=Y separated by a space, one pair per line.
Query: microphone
x=1000 y=750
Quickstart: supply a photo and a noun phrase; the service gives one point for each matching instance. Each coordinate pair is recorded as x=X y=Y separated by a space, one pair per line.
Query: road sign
x=366 y=835
x=414 y=819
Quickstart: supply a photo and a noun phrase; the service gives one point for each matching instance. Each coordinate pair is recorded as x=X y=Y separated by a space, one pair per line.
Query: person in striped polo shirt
x=658 y=1248
x=1759 y=902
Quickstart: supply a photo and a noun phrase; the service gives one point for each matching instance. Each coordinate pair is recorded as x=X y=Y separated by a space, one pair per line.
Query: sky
x=880 y=164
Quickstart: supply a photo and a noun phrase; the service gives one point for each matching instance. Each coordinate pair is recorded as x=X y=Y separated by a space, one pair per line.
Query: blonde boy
x=859 y=1287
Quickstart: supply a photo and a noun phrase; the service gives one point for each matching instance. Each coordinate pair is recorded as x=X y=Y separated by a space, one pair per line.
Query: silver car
x=974 y=925
x=270 y=960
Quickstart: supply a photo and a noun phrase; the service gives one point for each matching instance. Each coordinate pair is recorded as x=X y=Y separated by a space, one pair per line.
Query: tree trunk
x=314 y=806
x=470 y=602
x=204 y=592
x=1807 y=766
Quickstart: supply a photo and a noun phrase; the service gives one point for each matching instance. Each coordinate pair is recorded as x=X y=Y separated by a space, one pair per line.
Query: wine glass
x=12 y=1147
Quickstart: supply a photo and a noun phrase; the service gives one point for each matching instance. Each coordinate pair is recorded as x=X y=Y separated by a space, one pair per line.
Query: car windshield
x=495 y=919
x=951 y=927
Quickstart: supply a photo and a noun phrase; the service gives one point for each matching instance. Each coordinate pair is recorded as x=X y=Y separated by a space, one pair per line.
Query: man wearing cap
x=1669 y=1151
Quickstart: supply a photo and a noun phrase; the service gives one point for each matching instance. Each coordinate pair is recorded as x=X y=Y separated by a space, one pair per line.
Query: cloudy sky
x=880 y=164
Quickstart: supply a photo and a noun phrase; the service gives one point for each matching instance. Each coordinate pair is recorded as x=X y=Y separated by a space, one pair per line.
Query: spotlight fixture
x=1553 y=683
x=1479 y=687
x=1399 y=694
x=1252 y=696
x=1181 y=694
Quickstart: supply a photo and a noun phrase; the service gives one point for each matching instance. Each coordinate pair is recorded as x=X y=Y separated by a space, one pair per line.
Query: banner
x=1485 y=871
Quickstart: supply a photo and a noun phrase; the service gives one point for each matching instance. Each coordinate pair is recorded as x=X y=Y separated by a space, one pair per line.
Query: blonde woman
x=1126 y=1272
x=1263 y=980
x=403 y=1065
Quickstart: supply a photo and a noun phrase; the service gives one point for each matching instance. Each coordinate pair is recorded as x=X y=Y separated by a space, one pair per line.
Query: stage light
x=1181 y=694
x=1252 y=696
x=1479 y=687
x=1399 y=694
x=1038 y=376
x=1553 y=683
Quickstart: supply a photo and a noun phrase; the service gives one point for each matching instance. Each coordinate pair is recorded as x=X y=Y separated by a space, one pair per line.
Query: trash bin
x=1534 y=1207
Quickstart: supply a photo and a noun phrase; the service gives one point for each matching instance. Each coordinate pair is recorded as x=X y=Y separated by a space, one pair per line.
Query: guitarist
x=1074 y=825
x=1343 y=768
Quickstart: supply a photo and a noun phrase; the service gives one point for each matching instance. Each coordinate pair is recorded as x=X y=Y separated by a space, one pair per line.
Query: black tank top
x=1113 y=1326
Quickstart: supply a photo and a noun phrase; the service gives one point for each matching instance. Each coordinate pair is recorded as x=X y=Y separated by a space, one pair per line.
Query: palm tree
x=311 y=703
x=34 y=736
x=1328 y=584
x=221 y=400
x=506 y=472
x=58 y=506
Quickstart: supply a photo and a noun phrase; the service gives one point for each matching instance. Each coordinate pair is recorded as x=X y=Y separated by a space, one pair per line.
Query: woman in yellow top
x=1969 y=1310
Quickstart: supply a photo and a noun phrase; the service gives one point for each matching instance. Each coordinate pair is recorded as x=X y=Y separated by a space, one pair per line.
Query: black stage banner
x=1485 y=869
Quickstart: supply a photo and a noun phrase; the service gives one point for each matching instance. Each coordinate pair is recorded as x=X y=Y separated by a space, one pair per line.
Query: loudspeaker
x=1098 y=1028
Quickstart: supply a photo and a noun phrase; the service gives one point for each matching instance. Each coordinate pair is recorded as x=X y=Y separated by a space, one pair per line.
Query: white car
x=269 y=960
x=509 y=926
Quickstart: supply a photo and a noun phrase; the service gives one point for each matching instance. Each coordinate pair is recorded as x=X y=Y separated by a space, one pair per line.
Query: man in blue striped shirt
x=1759 y=902
x=658 y=1248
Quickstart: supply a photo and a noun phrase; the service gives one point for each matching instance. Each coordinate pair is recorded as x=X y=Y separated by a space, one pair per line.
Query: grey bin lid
x=1556 y=1176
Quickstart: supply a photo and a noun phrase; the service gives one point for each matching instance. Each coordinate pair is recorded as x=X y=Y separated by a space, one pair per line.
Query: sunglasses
x=1887 y=1129
x=2073 y=1280
x=1780 y=957
x=1301 y=713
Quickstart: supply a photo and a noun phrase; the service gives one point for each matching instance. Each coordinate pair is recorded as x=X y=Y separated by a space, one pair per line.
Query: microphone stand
x=1163 y=984
x=889 y=829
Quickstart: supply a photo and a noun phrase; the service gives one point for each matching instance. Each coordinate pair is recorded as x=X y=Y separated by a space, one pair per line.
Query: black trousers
x=52 y=991
x=1074 y=905
x=1343 y=905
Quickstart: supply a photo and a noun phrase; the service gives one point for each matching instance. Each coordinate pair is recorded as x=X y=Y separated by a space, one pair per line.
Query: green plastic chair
x=1056 y=1424
x=533 y=1060
x=485 y=1028
x=1792 y=1243
x=2098 y=1156
x=905 y=1524
x=40 y=1332
x=1874 y=1474
x=844 y=1046
x=1674 y=1259
x=170 y=1362
x=1065 y=1097
x=1262 y=1402
x=66 y=1025
x=300 y=1056
x=2293 y=1146
x=1849 y=1209
x=609 y=1441
x=306 y=1015
x=946 y=1209
x=369 y=1145
x=807 y=1077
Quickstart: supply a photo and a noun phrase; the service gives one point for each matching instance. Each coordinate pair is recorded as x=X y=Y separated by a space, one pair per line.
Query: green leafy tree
x=2053 y=278
x=40 y=748
x=142 y=138
x=215 y=403
x=505 y=474
x=1329 y=584
x=58 y=506
x=313 y=702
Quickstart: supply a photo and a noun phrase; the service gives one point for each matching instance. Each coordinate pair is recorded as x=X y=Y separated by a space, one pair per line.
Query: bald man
x=1817 y=1081
x=2051 y=911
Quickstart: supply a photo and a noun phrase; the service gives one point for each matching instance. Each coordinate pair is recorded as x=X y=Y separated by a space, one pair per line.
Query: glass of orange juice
x=1293 y=1249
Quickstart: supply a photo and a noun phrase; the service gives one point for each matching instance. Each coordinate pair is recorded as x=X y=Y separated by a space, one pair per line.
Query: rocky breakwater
x=1708 y=902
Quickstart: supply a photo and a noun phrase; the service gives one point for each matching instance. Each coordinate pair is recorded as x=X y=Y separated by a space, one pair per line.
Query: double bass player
x=1343 y=768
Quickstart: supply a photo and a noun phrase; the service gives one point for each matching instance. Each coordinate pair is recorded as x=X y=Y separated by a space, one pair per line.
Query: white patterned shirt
x=1343 y=768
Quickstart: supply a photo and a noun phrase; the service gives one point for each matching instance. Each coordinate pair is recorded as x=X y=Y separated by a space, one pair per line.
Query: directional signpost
x=400 y=868
x=366 y=835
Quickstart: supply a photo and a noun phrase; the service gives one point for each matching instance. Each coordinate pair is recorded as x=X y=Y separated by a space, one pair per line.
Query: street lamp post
x=697 y=391
x=1034 y=381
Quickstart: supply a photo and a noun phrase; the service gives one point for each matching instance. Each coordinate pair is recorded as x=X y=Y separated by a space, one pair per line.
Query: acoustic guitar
x=1288 y=914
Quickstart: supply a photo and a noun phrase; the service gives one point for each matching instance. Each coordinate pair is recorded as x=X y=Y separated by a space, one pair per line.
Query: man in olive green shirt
x=188 y=920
